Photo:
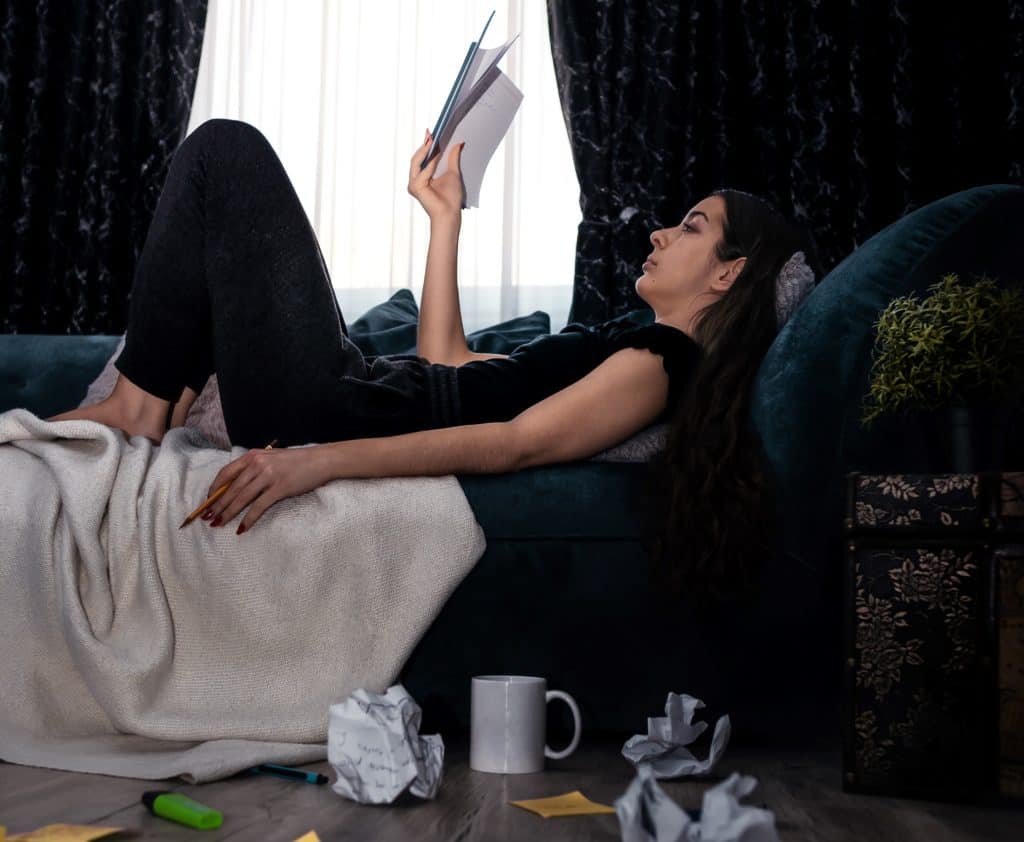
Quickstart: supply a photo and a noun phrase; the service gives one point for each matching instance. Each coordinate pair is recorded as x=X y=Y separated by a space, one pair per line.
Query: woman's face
x=683 y=265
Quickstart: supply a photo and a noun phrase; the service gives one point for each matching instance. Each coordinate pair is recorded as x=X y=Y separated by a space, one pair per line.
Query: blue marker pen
x=288 y=772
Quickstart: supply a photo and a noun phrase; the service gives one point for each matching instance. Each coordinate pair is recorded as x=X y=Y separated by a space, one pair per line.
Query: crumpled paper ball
x=373 y=744
x=663 y=747
x=647 y=814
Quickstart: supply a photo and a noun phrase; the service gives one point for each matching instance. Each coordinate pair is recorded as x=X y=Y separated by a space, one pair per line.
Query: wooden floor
x=801 y=786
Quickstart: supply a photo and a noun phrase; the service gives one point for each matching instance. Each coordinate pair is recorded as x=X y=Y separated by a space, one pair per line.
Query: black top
x=499 y=389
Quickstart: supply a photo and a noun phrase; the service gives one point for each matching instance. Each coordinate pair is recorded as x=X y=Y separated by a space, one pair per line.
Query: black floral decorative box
x=934 y=618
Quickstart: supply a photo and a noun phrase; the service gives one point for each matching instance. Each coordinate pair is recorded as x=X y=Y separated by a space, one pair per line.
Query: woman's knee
x=232 y=137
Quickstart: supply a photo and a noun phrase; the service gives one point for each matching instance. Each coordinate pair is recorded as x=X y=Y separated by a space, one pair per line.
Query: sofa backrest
x=49 y=373
x=808 y=396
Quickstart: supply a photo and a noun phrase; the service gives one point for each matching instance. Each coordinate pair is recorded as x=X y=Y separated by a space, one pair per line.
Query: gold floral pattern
x=872 y=752
x=952 y=501
x=925 y=717
x=915 y=617
x=866 y=514
x=921 y=579
x=882 y=656
x=953 y=482
x=897 y=487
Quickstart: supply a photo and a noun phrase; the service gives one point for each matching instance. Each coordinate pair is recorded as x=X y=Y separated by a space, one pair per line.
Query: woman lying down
x=231 y=279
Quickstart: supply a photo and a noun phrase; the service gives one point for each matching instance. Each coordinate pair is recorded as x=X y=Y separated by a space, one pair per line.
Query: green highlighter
x=179 y=808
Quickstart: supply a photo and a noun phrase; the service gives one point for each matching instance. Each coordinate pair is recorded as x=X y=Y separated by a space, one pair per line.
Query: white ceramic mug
x=508 y=723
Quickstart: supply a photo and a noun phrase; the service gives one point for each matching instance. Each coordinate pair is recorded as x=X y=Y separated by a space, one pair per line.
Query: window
x=343 y=90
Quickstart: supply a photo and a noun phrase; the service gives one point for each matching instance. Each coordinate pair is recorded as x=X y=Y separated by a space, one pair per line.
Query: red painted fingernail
x=241 y=529
x=215 y=521
x=208 y=514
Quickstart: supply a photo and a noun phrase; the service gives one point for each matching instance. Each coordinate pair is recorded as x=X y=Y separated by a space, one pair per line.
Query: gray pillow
x=637 y=448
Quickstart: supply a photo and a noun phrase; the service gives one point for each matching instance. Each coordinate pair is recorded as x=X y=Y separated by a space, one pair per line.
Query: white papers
x=664 y=745
x=482 y=64
x=724 y=819
x=647 y=814
x=479 y=110
x=373 y=743
x=482 y=128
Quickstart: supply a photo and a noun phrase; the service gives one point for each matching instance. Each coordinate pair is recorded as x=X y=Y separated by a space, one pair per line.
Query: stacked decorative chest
x=934 y=613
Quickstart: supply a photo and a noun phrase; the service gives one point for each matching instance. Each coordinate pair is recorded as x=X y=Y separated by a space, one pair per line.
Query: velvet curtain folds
x=94 y=99
x=846 y=115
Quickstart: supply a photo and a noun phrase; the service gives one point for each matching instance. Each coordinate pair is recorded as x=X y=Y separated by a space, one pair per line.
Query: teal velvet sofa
x=562 y=589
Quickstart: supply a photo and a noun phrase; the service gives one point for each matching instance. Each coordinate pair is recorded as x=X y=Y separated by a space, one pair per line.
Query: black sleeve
x=679 y=352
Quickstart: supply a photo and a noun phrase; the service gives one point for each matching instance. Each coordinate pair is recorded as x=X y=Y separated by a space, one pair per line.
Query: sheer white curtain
x=343 y=90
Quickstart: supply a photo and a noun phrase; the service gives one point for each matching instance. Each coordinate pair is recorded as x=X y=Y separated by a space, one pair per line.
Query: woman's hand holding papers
x=443 y=196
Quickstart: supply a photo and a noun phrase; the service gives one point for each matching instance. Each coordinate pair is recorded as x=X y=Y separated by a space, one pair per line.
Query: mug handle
x=565 y=697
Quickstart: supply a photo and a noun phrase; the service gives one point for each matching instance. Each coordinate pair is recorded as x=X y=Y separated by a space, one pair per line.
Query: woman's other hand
x=262 y=477
x=443 y=196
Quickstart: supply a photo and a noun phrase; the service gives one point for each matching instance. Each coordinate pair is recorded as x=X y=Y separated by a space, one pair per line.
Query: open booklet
x=480 y=107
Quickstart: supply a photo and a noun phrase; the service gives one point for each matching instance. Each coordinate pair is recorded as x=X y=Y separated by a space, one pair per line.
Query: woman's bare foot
x=108 y=412
x=129 y=408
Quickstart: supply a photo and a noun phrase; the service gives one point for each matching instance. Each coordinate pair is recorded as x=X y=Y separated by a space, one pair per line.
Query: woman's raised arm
x=440 y=335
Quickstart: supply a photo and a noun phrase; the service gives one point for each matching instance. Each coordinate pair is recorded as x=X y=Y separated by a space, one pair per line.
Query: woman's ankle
x=132 y=402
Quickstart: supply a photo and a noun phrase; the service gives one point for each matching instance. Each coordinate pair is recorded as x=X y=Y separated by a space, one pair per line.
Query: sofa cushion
x=49 y=373
x=572 y=500
x=810 y=387
x=505 y=337
x=390 y=328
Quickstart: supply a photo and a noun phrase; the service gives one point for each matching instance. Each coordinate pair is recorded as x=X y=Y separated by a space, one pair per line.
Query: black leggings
x=231 y=280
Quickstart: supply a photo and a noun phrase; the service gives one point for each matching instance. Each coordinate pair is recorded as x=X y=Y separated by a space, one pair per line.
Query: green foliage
x=960 y=345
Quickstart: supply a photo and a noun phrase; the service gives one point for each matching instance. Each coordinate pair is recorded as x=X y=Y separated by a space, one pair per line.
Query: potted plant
x=955 y=358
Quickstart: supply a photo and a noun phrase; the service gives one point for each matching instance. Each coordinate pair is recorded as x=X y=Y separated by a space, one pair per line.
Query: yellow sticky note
x=571 y=804
x=64 y=833
x=306 y=837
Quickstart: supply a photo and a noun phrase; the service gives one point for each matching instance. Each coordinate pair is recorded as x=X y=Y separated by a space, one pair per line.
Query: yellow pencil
x=213 y=498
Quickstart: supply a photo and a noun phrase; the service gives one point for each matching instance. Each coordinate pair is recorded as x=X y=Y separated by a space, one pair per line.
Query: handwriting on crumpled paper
x=373 y=743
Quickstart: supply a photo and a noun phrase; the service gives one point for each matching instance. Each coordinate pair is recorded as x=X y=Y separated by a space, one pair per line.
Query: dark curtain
x=94 y=99
x=845 y=115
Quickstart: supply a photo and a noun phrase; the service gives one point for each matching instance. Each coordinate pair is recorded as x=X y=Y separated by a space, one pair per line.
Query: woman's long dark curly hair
x=715 y=508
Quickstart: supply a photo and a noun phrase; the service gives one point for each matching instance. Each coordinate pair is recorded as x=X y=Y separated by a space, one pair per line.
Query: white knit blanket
x=130 y=647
